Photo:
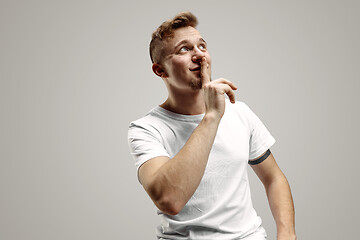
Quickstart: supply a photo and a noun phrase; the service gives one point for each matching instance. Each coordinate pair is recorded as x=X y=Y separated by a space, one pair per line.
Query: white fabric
x=221 y=207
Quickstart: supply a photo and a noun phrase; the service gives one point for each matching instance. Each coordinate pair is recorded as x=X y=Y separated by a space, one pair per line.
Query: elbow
x=166 y=197
x=167 y=201
x=169 y=205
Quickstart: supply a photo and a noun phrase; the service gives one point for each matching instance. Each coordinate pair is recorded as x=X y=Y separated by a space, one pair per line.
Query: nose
x=197 y=55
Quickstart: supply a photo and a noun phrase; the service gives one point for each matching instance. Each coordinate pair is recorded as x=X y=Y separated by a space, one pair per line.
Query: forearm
x=282 y=207
x=177 y=180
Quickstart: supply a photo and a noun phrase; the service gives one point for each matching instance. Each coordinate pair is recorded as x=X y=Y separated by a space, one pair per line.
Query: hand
x=214 y=91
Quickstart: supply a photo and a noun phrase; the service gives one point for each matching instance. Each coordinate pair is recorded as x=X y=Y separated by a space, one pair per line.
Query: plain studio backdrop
x=74 y=74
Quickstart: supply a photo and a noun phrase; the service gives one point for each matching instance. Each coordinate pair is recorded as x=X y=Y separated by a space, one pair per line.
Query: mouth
x=195 y=69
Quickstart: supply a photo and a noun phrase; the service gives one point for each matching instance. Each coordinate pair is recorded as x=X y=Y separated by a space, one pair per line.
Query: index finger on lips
x=203 y=72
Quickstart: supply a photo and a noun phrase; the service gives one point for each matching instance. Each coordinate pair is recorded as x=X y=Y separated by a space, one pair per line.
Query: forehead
x=185 y=33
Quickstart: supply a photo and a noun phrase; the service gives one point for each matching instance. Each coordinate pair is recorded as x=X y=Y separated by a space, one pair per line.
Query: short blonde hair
x=166 y=30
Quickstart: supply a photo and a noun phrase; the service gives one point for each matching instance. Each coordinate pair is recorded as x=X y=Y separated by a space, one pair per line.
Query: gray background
x=75 y=73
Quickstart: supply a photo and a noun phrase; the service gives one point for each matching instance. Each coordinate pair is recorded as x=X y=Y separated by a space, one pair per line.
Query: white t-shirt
x=221 y=207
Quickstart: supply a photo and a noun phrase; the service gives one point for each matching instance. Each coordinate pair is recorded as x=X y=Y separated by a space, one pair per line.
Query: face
x=183 y=55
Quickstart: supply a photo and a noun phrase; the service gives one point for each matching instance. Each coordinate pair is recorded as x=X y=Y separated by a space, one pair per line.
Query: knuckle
x=207 y=85
x=212 y=86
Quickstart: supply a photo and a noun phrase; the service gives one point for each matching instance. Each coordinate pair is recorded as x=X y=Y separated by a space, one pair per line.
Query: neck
x=187 y=103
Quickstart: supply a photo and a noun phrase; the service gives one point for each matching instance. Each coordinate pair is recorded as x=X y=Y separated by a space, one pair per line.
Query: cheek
x=179 y=64
x=208 y=58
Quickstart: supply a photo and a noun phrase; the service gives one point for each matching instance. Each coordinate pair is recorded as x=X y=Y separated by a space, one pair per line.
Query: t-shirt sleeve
x=144 y=144
x=260 y=138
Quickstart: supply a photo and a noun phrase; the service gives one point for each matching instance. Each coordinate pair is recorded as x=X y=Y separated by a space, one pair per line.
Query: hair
x=166 y=30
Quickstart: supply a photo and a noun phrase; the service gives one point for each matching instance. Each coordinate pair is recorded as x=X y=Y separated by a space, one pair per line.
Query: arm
x=170 y=183
x=279 y=196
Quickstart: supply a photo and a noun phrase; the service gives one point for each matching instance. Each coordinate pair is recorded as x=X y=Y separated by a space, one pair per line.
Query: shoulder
x=157 y=123
x=238 y=105
x=240 y=108
x=153 y=117
x=146 y=124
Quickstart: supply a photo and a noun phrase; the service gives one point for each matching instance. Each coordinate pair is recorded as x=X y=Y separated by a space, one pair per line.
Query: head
x=176 y=50
x=165 y=31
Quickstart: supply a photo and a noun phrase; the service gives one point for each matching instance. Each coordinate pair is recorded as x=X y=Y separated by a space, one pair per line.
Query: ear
x=159 y=70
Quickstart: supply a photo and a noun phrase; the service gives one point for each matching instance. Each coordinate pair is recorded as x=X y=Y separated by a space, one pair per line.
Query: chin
x=196 y=85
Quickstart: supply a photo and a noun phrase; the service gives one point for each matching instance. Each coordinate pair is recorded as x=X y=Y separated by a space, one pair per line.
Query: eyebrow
x=186 y=41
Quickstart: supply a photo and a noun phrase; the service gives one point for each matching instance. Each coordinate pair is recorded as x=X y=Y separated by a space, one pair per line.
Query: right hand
x=214 y=91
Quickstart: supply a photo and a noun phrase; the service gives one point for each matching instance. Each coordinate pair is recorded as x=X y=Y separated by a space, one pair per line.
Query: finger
x=223 y=80
x=228 y=90
x=203 y=71
x=230 y=94
x=232 y=85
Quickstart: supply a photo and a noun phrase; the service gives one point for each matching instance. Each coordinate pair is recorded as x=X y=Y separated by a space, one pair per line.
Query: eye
x=184 y=49
x=202 y=47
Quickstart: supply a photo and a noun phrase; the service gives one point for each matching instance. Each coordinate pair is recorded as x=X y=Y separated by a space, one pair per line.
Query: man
x=192 y=151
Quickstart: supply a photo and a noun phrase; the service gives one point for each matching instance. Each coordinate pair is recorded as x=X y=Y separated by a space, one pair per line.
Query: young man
x=192 y=151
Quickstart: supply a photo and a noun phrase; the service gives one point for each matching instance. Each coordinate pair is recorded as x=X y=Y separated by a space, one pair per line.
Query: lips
x=195 y=69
